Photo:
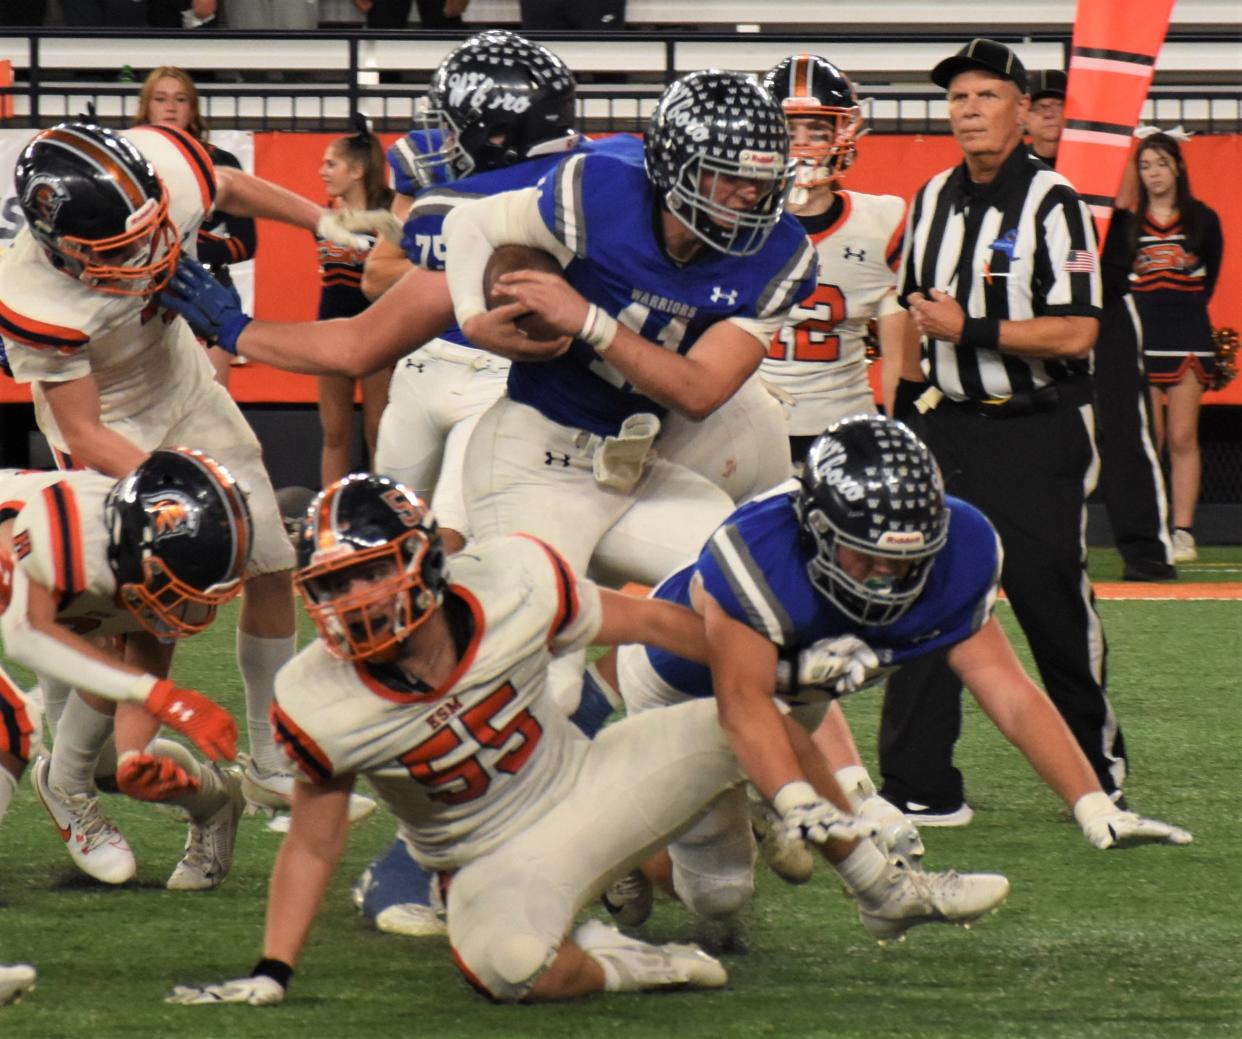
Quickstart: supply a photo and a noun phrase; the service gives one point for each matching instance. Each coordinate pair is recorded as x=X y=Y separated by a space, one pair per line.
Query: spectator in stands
x=395 y=14
x=1047 y=114
x=23 y=13
x=105 y=14
x=182 y=14
x=354 y=173
x=251 y=15
x=1179 y=246
x=572 y=14
x=169 y=97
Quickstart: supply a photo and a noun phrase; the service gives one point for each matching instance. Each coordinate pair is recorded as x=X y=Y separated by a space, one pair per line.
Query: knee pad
x=506 y=967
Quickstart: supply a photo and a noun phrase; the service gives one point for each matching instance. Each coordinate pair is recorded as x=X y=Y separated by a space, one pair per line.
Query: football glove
x=842 y=665
x=807 y=815
x=149 y=777
x=208 y=725
x=213 y=310
x=264 y=987
x=358 y=229
x=1107 y=826
x=892 y=831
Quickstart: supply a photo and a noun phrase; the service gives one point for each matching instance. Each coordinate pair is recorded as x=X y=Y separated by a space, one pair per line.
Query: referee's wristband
x=599 y=329
x=981 y=333
x=908 y=393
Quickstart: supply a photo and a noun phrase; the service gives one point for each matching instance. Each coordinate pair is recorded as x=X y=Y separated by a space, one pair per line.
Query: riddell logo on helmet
x=901 y=539
x=482 y=93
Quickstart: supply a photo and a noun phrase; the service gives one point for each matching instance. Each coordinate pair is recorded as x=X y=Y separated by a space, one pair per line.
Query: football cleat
x=907 y=897
x=96 y=846
x=629 y=899
x=270 y=792
x=786 y=855
x=209 y=844
x=398 y=896
x=636 y=965
x=16 y=979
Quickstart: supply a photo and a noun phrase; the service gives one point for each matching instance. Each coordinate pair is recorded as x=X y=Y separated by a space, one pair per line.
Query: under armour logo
x=728 y=296
x=181 y=711
x=418 y=366
x=854 y=254
x=553 y=458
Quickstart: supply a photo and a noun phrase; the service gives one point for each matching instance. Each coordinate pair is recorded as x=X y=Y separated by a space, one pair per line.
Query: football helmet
x=497 y=99
x=714 y=124
x=813 y=88
x=179 y=538
x=869 y=484
x=98 y=209
x=371 y=565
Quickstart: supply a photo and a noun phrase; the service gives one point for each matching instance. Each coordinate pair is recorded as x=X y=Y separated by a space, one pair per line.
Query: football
x=508 y=258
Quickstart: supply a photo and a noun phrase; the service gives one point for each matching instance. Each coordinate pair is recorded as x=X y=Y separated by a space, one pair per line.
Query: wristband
x=856 y=784
x=278 y=970
x=599 y=329
x=908 y=392
x=794 y=795
x=981 y=333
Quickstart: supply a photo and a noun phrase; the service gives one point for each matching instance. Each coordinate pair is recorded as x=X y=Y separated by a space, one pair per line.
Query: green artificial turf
x=1129 y=944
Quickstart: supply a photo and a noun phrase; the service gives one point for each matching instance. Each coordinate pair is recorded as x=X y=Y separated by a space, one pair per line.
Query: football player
x=115 y=375
x=856 y=568
x=429 y=678
x=818 y=360
x=83 y=557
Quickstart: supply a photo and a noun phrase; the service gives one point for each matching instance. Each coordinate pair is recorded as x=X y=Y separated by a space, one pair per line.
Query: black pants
x=1027 y=474
x=23 y=12
x=395 y=14
x=105 y=13
x=573 y=14
x=1131 y=480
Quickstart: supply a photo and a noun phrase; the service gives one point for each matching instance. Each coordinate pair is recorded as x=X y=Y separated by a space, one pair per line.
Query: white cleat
x=786 y=855
x=209 y=846
x=637 y=965
x=411 y=920
x=96 y=846
x=16 y=979
x=271 y=792
x=908 y=897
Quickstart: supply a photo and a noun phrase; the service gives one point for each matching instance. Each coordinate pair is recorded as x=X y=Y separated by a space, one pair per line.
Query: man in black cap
x=1047 y=90
x=1001 y=276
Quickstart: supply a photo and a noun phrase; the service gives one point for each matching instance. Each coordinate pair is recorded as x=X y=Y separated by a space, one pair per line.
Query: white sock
x=863 y=867
x=55 y=696
x=80 y=737
x=8 y=783
x=258 y=660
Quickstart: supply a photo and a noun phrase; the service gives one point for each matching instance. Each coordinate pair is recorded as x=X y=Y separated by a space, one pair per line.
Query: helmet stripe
x=127 y=185
x=802 y=71
x=196 y=158
x=66 y=542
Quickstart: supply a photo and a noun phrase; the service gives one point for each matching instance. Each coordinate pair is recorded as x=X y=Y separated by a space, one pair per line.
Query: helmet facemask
x=169 y=608
x=828 y=144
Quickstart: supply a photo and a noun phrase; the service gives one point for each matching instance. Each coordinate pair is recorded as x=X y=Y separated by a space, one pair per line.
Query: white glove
x=1107 y=826
x=258 y=990
x=358 y=228
x=842 y=664
x=892 y=831
x=810 y=817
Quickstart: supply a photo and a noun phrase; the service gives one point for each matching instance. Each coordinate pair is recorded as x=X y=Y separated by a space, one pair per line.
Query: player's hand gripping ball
x=508 y=258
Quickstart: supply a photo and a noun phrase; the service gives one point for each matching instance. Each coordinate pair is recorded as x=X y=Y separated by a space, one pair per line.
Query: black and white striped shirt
x=1020 y=247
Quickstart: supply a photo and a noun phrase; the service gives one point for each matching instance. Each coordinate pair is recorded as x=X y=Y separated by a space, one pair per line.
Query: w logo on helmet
x=172 y=515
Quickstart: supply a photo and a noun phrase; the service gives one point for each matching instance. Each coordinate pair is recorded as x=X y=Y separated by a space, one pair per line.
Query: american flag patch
x=1079 y=261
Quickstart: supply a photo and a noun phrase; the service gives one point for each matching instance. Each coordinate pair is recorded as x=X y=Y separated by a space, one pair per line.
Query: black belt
x=1066 y=393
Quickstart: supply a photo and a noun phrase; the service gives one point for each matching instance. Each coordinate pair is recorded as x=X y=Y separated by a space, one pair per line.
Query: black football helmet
x=810 y=87
x=98 y=209
x=371 y=529
x=871 y=485
x=497 y=99
x=179 y=537
x=710 y=124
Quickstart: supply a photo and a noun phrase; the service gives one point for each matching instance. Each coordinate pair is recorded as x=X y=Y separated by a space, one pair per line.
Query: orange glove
x=208 y=725
x=146 y=777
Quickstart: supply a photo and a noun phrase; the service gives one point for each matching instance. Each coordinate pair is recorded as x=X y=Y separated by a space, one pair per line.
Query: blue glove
x=213 y=310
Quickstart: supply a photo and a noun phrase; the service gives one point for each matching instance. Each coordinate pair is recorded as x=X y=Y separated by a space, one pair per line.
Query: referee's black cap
x=981 y=53
x=1047 y=83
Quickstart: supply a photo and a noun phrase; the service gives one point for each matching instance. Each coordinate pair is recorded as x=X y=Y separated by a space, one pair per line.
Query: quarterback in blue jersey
x=676 y=273
x=857 y=567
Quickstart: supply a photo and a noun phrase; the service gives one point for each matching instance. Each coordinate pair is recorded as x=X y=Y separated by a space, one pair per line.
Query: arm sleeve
x=240 y=239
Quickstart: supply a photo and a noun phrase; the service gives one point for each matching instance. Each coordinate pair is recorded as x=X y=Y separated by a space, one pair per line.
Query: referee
x=1001 y=277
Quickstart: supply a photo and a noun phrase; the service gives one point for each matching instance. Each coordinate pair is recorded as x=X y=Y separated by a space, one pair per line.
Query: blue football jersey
x=602 y=207
x=755 y=568
x=423 y=237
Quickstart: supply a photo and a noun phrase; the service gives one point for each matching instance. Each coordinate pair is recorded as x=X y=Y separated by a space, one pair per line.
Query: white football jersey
x=476 y=761
x=56 y=328
x=819 y=358
x=61 y=542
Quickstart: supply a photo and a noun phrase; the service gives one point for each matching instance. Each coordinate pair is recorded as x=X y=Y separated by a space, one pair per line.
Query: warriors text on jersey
x=754 y=568
x=472 y=763
x=819 y=357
